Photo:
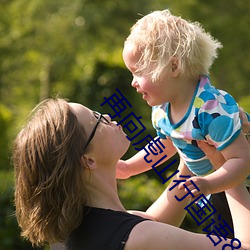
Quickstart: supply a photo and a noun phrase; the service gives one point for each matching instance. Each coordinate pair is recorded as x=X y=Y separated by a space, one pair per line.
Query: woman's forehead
x=78 y=108
x=84 y=115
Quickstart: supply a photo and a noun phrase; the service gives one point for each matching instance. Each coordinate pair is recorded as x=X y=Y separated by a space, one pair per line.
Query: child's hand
x=196 y=185
x=122 y=170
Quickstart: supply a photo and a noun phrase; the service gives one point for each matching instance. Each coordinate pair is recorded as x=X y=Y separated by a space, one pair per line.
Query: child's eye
x=137 y=73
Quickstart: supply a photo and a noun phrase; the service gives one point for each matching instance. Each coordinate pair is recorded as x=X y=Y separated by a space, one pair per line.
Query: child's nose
x=134 y=83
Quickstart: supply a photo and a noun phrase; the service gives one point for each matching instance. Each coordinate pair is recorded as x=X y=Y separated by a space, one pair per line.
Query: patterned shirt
x=213 y=115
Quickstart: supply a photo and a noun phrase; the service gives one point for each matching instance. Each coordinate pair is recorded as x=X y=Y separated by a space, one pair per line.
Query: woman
x=65 y=188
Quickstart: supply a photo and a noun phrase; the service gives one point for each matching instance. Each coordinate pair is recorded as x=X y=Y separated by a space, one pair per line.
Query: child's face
x=154 y=93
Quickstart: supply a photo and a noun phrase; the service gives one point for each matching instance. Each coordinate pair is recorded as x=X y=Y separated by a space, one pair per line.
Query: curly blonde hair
x=49 y=181
x=160 y=36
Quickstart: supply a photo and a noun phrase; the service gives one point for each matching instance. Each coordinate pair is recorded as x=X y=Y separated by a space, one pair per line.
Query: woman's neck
x=102 y=189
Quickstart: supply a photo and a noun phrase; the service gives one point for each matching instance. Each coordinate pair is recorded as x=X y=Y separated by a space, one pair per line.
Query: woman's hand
x=199 y=185
x=245 y=124
x=214 y=156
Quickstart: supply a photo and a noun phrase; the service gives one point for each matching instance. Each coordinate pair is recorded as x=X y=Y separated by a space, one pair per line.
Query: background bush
x=73 y=48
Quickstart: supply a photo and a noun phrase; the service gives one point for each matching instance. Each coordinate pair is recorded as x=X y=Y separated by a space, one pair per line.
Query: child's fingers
x=186 y=183
x=190 y=188
x=181 y=186
x=196 y=192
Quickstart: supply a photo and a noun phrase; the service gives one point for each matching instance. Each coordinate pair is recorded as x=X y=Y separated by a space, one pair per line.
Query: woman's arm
x=167 y=208
x=233 y=172
x=215 y=156
x=160 y=236
x=162 y=209
x=239 y=203
x=231 y=175
x=234 y=161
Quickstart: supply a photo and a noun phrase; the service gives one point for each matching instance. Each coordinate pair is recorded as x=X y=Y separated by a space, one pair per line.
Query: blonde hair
x=160 y=36
x=49 y=182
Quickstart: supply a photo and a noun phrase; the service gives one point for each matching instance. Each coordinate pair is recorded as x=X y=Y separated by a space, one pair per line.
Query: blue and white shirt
x=213 y=115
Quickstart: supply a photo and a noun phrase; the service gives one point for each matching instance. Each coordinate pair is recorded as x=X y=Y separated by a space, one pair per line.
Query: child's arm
x=137 y=164
x=233 y=172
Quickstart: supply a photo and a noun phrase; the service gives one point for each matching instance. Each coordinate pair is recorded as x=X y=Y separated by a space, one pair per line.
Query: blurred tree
x=72 y=48
x=228 y=21
x=5 y=123
x=10 y=238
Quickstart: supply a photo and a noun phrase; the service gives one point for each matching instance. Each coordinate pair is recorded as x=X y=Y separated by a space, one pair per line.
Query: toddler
x=170 y=59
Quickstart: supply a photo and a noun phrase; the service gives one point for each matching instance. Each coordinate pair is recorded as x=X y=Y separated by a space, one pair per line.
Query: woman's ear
x=89 y=161
x=175 y=66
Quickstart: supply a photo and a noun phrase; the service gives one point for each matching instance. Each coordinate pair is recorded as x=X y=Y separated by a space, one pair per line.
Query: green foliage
x=9 y=231
x=245 y=103
x=139 y=192
x=73 y=48
x=230 y=71
x=5 y=124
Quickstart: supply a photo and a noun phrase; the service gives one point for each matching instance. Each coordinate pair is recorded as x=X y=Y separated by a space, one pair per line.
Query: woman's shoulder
x=110 y=227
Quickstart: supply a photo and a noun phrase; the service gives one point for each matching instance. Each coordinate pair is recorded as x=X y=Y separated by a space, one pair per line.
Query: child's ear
x=175 y=66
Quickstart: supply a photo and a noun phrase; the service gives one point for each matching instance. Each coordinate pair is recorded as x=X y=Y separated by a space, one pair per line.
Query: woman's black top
x=102 y=229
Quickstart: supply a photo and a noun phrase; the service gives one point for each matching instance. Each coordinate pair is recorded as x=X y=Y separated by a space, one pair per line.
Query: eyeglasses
x=100 y=118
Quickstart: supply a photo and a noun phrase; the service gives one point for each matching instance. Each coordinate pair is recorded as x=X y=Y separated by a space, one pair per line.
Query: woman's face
x=108 y=140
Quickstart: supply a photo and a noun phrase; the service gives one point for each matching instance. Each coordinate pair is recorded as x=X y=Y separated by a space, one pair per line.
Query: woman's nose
x=107 y=117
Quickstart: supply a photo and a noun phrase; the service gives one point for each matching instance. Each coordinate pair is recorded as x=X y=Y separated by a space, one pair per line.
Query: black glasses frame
x=100 y=118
